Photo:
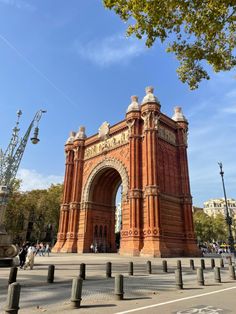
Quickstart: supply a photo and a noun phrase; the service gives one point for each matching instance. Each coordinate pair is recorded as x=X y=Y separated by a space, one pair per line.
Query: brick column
x=74 y=208
x=64 y=211
x=150 y=111
x=133 y=119
x=190 y=247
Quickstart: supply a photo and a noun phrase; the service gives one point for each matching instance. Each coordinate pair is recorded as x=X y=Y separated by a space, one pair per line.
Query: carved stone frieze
x=107 y=145
x=130 y=124
x=151 y=120
x=185 y=136
x=151 y=232
x=61 y=236
x=166 y=135
x=151 y=190
x=135 y=193
x=74 y=206
x=65 y=207
x=71 y=235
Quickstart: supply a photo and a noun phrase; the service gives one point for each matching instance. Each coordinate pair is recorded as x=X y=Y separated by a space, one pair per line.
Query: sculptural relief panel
x=166 y=134
x=107 y=144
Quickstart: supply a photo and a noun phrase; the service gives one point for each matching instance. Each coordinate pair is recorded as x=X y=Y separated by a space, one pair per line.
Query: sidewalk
x=97 y=297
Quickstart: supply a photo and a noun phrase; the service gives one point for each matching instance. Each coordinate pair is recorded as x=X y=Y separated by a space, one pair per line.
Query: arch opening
x=103 y=196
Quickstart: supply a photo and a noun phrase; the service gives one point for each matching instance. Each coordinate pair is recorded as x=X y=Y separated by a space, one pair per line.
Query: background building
x=118 y=218
x=217 y=206
x=196 y=209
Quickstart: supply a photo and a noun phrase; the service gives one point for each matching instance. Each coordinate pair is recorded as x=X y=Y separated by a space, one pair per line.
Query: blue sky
x=76 y=62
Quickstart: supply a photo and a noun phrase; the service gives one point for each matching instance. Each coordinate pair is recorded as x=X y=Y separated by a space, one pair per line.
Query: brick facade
x=147 y=154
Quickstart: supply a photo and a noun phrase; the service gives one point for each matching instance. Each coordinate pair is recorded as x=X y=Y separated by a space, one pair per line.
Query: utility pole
x=9 y=165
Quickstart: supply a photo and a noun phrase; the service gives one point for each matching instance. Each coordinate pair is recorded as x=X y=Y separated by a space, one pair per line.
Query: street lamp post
x=228 y=218
x=9 y=164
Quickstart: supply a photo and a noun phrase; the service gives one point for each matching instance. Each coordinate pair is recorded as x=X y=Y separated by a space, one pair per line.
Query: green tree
x=203 y=225
x=15 y=214
x=52 y=201
x=220 y=228
x=196 y=31
x=39 y=207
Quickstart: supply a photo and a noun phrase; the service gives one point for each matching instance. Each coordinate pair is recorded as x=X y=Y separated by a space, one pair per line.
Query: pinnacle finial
x=81 y=133
x=134 y=106
x=71 y=138
x=178 y=115
x=150 y=97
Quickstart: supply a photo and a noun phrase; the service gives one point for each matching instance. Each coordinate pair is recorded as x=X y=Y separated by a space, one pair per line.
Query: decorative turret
x=81 y=134
x=178 y=115
x=150 y=96
x=134 y=106
x=71 y=138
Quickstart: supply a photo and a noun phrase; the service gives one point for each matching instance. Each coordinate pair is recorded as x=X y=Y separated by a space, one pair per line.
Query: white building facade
x=214 y=207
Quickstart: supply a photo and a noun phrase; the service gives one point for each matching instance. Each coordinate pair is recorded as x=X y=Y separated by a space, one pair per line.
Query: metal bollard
x=12 y=275
x=213 y=263
x=13 y=298
x=200 y=277
x=222 y=263
x=178 y=279
x=203 y=263
x=164 y=266
x=76 y=292
x=179 y=266
x=82 y=271
x=51 y=270
x=149 y=267
x=217 y=274
x=131 y=269
x=229 y=260
x=192 y=264
x=231 y=272
x=119 y=287
x=108 y=269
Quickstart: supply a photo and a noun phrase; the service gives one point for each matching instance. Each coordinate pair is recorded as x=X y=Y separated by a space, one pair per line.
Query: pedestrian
x=42 y=249
x=30 y=257
x=22 y=255
x=91 y=248
x=47 y=249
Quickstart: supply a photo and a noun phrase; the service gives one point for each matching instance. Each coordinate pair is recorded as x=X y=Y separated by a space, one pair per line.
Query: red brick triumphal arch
x=147 y=155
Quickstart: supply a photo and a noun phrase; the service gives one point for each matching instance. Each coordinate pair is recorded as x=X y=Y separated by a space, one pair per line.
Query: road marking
x=201 y=310
x=177 y=300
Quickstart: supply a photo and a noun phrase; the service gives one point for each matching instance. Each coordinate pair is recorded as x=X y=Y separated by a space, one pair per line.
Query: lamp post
x=228 y=218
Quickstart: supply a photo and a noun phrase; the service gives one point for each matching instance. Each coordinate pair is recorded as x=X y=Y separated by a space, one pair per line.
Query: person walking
x=30 y=257
x=47 y=249
x=22 y=255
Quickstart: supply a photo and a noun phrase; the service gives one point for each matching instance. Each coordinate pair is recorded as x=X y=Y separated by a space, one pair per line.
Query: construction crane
x=9 y=165
x=11 y=158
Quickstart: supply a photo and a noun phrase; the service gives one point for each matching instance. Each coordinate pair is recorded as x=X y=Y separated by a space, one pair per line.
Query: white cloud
x=18 y=4
x=110 y=50
x=32 y=180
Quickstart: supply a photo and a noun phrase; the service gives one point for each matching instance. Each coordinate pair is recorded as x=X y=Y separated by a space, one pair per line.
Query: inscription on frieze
x=107 y=145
